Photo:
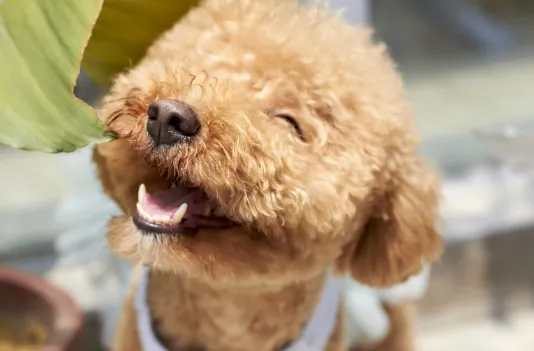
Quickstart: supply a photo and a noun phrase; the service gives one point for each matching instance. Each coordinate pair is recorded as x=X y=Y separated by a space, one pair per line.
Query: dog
x=263 y=151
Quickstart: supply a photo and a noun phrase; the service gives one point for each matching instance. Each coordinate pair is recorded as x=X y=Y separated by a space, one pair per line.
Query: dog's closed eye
x=293 y=123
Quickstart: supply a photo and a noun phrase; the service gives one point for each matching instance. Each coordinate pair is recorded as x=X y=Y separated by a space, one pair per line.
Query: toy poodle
x=263 y=152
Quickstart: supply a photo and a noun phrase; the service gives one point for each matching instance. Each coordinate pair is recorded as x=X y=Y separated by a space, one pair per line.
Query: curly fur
x=350 y=193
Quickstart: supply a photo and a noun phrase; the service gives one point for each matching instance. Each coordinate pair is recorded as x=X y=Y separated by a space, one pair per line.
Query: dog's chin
x=231 y=257
x=177 y=252
x=181 y=230
x=169 y=227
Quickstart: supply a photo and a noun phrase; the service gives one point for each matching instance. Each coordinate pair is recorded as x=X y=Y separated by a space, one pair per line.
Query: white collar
x=314 y=337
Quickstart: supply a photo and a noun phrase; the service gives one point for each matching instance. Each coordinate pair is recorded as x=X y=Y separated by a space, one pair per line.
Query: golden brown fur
x=352 y=195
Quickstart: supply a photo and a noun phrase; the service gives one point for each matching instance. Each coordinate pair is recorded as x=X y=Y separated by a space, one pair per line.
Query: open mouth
x=178 y=210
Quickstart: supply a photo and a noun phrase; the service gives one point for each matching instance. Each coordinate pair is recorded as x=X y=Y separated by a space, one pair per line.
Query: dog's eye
x=293 y=122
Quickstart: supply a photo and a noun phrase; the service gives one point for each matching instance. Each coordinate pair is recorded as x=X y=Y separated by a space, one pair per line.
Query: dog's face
x=263 y=148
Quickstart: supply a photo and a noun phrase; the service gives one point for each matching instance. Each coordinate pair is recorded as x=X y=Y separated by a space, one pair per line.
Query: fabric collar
x=314 y=337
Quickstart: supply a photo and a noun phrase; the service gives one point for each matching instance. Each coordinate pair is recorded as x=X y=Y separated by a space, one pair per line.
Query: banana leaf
x=123 y=32
x=42 y=45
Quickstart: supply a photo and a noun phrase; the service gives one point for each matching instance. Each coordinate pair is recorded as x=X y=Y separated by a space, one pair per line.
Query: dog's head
x=259 y=144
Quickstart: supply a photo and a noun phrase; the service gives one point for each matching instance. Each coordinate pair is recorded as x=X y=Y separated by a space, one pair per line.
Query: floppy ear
x=400 y=236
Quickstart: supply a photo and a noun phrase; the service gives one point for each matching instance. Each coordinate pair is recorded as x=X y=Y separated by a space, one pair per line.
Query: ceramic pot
x=29 y=296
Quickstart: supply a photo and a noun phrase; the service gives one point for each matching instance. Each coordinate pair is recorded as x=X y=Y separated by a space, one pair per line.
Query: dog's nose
x=171 y=121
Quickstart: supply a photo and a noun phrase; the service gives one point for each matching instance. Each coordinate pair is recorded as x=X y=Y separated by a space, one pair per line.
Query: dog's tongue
x=165 y=203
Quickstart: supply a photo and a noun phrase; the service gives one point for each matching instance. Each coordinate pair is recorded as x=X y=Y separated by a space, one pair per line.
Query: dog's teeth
x=173 y=185
x=141 y=194
x=165 y=219
x=207 y=212
x=179 y=214
x=142 y=212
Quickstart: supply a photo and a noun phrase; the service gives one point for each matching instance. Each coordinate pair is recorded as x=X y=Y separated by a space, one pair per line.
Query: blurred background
x=469 y=71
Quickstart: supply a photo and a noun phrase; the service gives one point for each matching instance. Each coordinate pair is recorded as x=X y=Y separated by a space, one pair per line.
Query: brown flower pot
x=29 y=296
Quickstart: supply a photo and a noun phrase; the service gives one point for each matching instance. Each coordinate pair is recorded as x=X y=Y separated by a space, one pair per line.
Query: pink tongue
x=166 y=202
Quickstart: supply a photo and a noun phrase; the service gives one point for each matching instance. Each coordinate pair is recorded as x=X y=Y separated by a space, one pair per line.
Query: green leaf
x=123 y=32
x=41 y=47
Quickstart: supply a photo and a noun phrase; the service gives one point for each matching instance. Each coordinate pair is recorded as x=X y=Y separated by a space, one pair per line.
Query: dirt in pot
x=21 y=334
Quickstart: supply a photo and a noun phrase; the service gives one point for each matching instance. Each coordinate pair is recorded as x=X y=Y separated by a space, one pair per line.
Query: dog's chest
x=235 y=325
x=187 y=319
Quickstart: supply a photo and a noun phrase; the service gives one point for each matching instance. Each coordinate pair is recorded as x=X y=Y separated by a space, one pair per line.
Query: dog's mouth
x=181 y=209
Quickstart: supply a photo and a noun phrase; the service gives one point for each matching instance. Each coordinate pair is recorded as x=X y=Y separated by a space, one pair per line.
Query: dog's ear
x=401 y=235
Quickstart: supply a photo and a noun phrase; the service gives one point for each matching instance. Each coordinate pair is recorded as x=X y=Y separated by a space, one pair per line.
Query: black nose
x=171 y=121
